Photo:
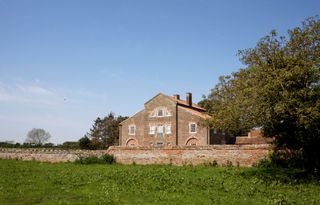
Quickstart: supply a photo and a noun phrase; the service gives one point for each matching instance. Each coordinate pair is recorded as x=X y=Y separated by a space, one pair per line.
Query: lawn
x=24 y=182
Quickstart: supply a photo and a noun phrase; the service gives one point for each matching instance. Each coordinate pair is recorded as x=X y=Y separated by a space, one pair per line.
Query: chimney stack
x=176 y=96
x=189 y=99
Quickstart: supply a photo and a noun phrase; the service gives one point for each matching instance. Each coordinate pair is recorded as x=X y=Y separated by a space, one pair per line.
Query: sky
x=63 y=63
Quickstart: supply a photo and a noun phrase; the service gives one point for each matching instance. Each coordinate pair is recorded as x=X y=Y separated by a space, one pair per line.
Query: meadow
x=29 y=182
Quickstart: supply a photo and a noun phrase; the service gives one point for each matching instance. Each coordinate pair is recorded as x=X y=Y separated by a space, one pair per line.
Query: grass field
x=42 y=183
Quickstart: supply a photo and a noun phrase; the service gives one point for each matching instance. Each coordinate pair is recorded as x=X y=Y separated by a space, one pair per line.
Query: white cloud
x=28 y=93
x=35 y=90
x=65 y=112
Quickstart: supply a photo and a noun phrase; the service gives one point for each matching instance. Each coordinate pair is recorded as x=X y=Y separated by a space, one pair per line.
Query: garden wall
x=46 y=154
x=242 y=155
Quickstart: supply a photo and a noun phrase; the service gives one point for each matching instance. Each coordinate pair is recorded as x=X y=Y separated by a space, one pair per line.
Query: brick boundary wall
x=47 y=155
x=242 y=155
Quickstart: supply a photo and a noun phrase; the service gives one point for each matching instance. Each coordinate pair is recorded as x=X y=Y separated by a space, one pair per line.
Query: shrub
x=282 y=158
x=109 y=159
x=104 y=159
x=286 y=158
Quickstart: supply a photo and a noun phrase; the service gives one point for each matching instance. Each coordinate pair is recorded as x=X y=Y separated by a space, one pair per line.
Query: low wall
x=242 y=155
x=47 y=155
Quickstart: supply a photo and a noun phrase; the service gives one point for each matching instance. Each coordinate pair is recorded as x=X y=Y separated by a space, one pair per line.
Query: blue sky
x=64 y=63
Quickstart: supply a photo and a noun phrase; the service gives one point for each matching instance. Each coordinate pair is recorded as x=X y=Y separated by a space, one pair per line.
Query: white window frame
x=160 y=129
x=162 y=111
x=165 y=112
x=190 y=126
x=134 y=130
x=152 y=130
x=167 y=129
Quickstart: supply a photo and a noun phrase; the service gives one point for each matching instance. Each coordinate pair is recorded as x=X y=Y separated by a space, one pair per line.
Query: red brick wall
x=46 y=154
x=244 y=155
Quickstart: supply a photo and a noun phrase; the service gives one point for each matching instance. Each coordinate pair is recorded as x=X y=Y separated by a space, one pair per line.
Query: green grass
x=24 y=182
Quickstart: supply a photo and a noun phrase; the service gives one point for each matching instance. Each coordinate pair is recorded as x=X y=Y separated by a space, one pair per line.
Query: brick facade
x=166 y=121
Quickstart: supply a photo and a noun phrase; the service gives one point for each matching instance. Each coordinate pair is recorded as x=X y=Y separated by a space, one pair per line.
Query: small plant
x=228 y=164
x=263 y=163
x=214 y=163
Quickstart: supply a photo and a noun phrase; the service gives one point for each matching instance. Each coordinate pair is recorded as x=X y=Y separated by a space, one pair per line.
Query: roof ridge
x=183 y=102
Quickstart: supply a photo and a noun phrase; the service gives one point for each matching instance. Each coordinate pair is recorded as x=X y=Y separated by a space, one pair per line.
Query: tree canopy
x=278 y=90
x=104 y=132
x=37 y=136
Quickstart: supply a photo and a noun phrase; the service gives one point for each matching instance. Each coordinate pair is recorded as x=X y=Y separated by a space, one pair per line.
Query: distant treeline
x=65 y=145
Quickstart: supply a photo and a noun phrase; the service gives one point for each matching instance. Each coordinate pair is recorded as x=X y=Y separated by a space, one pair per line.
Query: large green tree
x=105 y=131
x=279 y=90
x=229 y=102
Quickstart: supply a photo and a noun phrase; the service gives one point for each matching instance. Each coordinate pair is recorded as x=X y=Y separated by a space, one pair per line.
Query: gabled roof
x=203 y=115
x=179 y=102
x=155 y=97
x=194 y=109
x=132 y=116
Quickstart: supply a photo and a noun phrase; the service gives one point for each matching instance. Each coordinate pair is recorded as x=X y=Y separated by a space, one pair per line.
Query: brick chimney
x=189 y=99
x=176 y=96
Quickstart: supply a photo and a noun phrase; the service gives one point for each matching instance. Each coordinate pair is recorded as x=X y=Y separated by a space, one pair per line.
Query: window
x=152 y=130
x=192 y=128
x=168 y=129
x=159 y=134
x=132 y=130
x=160 y=113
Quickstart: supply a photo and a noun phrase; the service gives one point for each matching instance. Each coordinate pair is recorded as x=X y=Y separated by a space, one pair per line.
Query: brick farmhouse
x=169 y=121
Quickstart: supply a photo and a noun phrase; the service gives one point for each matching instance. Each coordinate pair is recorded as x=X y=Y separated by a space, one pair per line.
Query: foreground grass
x=43 y=183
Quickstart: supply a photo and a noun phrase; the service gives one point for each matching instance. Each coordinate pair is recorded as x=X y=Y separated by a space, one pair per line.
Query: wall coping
x=207 y=147
x=50 y=150
x=75 y=151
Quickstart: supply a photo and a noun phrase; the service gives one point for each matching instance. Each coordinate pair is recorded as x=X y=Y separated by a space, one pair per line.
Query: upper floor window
x=132 y=130
x=160 y=113
x=192 y=128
